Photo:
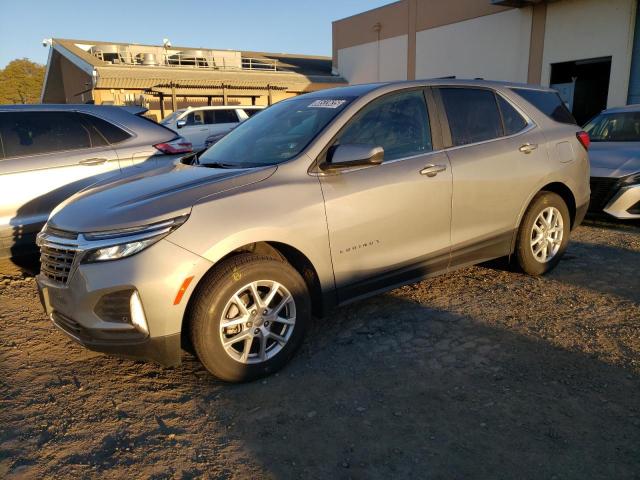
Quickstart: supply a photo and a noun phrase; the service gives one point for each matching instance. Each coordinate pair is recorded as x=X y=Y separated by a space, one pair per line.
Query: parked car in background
x=319 y=200
x=49 y=152
x=215 y=138
x=197 y=124
x=615 y=162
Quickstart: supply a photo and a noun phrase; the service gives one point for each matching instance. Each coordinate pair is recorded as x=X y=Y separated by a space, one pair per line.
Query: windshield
x=615 y=127
x=278 y=134
x=170 y=118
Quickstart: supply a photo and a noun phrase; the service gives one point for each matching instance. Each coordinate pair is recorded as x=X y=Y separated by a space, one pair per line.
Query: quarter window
x=108 y=130
x=32 y=133
x=398 y=123
x=512 y=120
x=473 y=115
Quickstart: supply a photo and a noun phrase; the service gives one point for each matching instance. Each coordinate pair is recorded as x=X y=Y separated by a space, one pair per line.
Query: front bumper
x=625 y=204
x=156 y=274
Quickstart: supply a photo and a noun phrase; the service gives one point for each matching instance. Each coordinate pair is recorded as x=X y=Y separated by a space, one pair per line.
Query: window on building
x=513 y=122
x=473 y=115
x=33 y=133
x=398 y=123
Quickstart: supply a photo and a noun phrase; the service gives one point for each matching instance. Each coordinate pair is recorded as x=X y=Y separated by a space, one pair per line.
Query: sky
x=279 y=26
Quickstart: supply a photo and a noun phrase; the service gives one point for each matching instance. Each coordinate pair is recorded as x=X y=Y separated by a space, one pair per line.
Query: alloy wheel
x=257 y=321
x=546 y=234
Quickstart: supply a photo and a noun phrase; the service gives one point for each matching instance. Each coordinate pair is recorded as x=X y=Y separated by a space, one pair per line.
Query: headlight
x=116 y=244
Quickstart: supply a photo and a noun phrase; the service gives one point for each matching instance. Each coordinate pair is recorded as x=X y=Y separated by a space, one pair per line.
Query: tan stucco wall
x=583 y=29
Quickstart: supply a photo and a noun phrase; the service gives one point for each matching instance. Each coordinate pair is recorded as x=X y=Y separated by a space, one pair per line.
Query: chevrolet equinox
x=319 y=200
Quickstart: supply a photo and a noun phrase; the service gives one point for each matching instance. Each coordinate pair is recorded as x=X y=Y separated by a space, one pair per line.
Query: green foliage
x=21 y=81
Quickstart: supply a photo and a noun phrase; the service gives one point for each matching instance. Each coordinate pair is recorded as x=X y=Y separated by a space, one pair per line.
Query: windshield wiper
x=218 y=165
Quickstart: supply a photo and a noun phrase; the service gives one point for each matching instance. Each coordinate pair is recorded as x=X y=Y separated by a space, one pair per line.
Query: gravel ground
x=482 y=373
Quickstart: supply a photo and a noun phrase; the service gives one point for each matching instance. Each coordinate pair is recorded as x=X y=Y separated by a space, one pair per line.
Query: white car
x=196 y=124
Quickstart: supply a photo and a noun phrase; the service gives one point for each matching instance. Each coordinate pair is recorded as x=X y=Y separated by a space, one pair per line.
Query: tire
x=221 y=297
x=537 y=214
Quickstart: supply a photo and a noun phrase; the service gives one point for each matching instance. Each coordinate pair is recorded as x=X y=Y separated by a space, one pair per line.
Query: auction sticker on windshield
x=326 y=103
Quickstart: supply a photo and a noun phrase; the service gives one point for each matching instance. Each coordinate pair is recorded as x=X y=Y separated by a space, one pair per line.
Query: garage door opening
x=583 y=85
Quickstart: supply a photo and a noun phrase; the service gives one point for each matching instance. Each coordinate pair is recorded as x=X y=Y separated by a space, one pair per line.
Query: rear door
x=389 y=224
x=224 y=120
x=48 y=156
x=495 y=155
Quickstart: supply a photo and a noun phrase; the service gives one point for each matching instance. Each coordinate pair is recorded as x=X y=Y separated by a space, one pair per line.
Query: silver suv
x=315 y=202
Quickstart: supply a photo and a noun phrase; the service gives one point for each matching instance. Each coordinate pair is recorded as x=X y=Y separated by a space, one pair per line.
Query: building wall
x=583 y=29
x=493 y=46
x=383 y=60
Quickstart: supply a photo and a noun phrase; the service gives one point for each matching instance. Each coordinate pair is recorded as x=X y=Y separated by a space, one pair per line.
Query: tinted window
x=473 y=115
x=548 y=103
x=252 y=111
x=513 y=122
x=398 y=123
x=32 y=133
x=279 y=133
x=615 y=127
x=109 y=131
x=225 y=116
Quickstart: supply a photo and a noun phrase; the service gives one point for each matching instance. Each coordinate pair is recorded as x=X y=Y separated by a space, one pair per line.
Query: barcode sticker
x=326 y=103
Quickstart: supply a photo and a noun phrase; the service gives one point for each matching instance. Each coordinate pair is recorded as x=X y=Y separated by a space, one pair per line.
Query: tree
x=21 y=81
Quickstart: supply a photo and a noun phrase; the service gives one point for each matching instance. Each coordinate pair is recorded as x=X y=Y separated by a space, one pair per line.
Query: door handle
x=528 y=147
x=93 y=161
x=432 y=170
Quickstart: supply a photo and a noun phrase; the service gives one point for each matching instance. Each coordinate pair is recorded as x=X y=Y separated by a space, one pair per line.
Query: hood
x=614 y=159
x=147 y=197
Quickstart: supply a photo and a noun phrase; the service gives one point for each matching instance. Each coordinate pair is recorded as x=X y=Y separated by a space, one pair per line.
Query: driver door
x=389 y=224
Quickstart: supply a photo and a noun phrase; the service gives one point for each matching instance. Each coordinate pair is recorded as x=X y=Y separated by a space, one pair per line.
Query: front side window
x=33 y=133
x=278 y=134
x=615 y=127
x=398 y=123
x=473 y=115
x=195 y=118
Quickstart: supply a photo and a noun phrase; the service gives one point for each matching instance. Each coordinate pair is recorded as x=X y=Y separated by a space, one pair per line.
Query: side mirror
x=353 y=155
x=181 y=123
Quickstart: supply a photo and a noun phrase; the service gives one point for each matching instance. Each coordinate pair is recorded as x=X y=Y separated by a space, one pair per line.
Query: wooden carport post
x=224 y=94
x=174 y=100
x=161 y=106
x=269 y=96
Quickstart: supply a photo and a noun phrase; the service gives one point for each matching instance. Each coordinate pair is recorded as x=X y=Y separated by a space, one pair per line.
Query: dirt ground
x=482 y=373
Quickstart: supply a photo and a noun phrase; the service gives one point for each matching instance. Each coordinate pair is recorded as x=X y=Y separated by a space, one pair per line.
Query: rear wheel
x=249 y=317
x=543 y=234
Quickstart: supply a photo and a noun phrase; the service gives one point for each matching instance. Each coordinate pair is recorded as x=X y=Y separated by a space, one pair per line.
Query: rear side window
x=472 y=113
x=252 y=111
x=399 y=123
x=108 y=130
x=225 y=116
x=513 y=122
x=33 y=133
x=548 y=103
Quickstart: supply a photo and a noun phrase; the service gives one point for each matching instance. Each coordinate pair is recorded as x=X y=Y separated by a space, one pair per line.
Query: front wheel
x=248 y=317
x=544 y=234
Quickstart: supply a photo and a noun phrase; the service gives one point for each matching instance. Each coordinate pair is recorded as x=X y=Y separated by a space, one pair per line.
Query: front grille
x=602 y=190
x=56 y=262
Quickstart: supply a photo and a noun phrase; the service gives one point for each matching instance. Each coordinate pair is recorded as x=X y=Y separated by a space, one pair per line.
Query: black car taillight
x=177 y=145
